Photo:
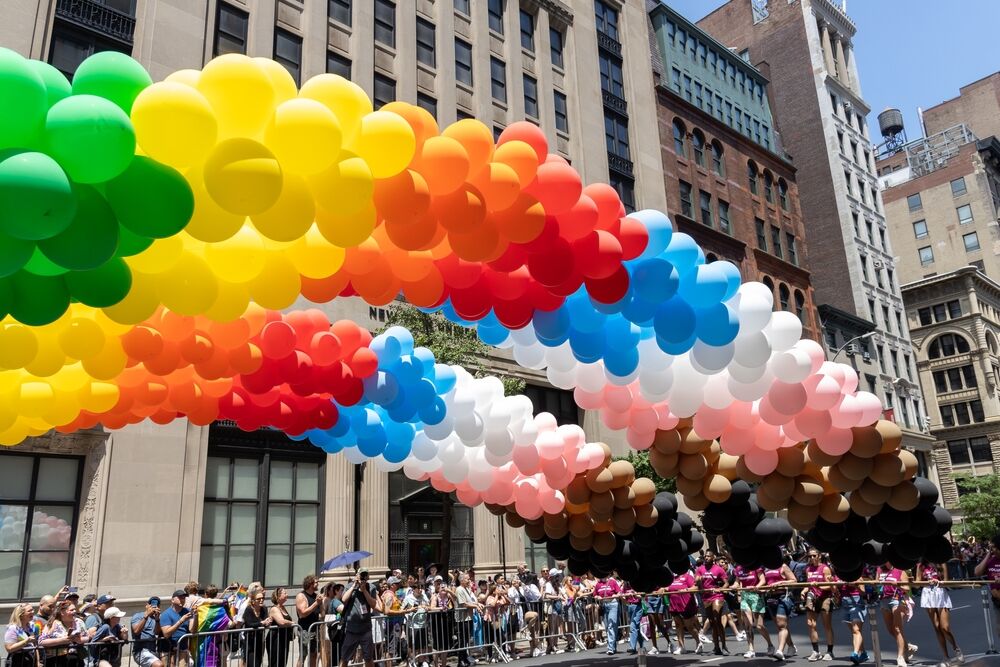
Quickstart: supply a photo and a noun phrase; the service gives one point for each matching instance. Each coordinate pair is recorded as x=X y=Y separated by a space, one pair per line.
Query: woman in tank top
x=895 y=587
x=752 y=607
x=780 y=605
x=937 y=602
x=819 y=602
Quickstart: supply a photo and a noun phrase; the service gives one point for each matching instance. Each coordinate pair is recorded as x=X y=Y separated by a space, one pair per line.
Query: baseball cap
x=104 y=599
x=113 y=612
x=555 y=572
x=439 y=578
x=180 y=593
x=392 y=580
x=155 y=600
x=90 y=597
x=73 y=594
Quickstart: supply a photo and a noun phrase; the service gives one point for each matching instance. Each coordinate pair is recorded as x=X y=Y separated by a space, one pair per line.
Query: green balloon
x=130 y=243
x=90 y=240
x=90 y=137
x=38 y=300
x=101 y=287
x=151 y=199
x=14 y=254
x=6 y=297
x=113 y=76
x=57 y=87
x=23 y=101
x=36 y=198
x=41 y=265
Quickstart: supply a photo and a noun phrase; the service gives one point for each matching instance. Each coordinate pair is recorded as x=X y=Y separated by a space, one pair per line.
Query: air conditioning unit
x=866 y=356
x=878 y=263
x=851 y=349
x=848 y=107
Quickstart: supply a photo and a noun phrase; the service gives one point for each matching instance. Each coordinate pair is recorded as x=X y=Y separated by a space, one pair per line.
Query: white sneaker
x=677 y=650
x=750 y=654
x=703 y=639
x=698 y=649
x=560 y=651
x=779 y=656
x=741 y=636
x=901 y=662
x=814 y=656
x=911 y=650
x=537 y=652
x=652 y=651
x=827 y=657
x=958 y=659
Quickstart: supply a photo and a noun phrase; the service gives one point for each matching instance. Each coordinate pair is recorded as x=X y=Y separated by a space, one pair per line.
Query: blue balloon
x=733 y=279
x=396 y=452
x=491 y=335
x=551 y=326
x=587 y=347
x=343 y=425
x=381 y=388
x=705 y=286
x=407 y=369
x=683 y=253
x=582 y=314
x=426 y=359
x=654 y=280
x=621 y=362
x=640 y=311
x=372 y=444
x=433 y=412
x=676 y=348
x=658 y=228
x=444 y=378
x=675 y=320
x=620 y=334
x=612 y=308
x=718 y=325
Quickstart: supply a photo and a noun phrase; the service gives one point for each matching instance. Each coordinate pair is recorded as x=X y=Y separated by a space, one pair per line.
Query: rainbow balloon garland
x=151 y=233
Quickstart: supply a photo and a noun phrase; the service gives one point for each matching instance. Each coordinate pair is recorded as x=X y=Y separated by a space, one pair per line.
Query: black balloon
x=559 y=549
x=769 y=532
x=741 y=536
x=679 y=565
x=578 y=567
x=943 y=520
x=938 y=550
x=665 y=503
x=897 y=559
x=878 y=533
x=740 y=492
x=770 y=557
x=849 y=575
x=846 y=556
x=927 y=490
x=857 y=528
x=627 y=569
x=716 y=519
x=696 y=542
x=873 y=553
x=832 y=533
x=922 y=523
x=893 y=521
x=685 y=521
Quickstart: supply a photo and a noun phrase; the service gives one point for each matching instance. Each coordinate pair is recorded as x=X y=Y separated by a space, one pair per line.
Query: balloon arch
x=152 y=233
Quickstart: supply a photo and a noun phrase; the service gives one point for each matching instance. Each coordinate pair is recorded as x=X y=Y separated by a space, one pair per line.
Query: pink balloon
x=850 y=384
x=813 y=423
x=742 y=414
x=573 y=437
x=667 y=420
x=710 y=422
x=768 y=437
x=815 y=352
x=871 y=408
x=554 y=471
x=824 y=392
x=847 y=413
x=468 y=497
x=551 y=501
x=442 y=485
x=617 y=398
x=736 y=441
x=526 y=459
x=761 y=461
x=771 y=415
x=644 y=419
x=526 y=489
x=638 y=439
x=793 y=433
x=788 y=399
x=836 y=441
x=613 y=419
x=588 y=400
x=549 y=444
x=545 y=421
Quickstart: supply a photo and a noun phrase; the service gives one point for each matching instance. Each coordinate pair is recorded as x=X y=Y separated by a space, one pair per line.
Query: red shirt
x=711 y=578
x=748 y=578
x=682 y=602
x=607 y=588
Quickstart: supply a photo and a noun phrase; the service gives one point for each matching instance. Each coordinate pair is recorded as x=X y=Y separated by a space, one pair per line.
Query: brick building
x=805 y=49
x=727 y=184
x=977 y=106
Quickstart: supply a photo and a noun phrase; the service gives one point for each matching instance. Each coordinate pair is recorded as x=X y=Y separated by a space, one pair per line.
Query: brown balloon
x=646 y=516
x=713 y=452
x=726 y=466
x=862 y=506
x=770 y=503
x=891 y=434
x=580 y=525
x=888 y=470
x=856 y=467
x=693 y=466
x=910 y=464
x=692 y=443
x=874 y=493
x=746 y=474
x=842 y=482
x=604 y=543
x=688 y=486
x=600 y=480
x=624 y=497
x=808 y=492
x=867 y=442
x=802 y=517
x=834 y=508
x=578 y=492
x=644 y=490
x=581 y=543
x=577 y=509
x=555 y=519
x=603 y=526
x=791 y=461
x=778 y=486
x=622 y=474
x=665 y=465
x=602 y=505
x=904 y=497
x=514 y=521
x=667 y=442
x=717 y=488
x=814 y=453
x=534 y=532
x=623 y=521
x=607 y=453
x=697 y=502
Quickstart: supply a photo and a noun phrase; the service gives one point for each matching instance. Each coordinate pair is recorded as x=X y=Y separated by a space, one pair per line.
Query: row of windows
x=867 y=194
x=877 y=241
x=947 y=345
x=963 y=212
x=890 y=276
x=704 y=208
x=941 y=312
x=714 y=105
x=894 y=359
x=915 y=203
x=886 y=322
x=960 y=414
x=615 y=123
x=970 y=241
x=854 y=120
x=721 y=67
x=956 y=378
x=860 y=156
x=784 y=298
x=963 y=452
x=753 y=181
x=775 y=246
x=698 y=146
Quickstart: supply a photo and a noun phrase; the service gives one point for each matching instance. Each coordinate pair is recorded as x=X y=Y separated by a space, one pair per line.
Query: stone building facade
x=146 y=508
x=727 y=183
x=977 y=106
x=955 y=320
x=805 y=49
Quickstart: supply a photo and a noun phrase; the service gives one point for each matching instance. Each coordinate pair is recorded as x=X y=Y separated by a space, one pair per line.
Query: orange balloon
x=403 y=197
x=499 y=184
x=444 y=164
x=460 y=210
x=477 y=140
x=423 y=123
x=521 y=222
x=520 y=157
x=415 y=234
x=528 y=133
x=324 y=290
x=609 y=204
x=230 y=334
x=363 y=259
x=476 y=245
x=427 y=291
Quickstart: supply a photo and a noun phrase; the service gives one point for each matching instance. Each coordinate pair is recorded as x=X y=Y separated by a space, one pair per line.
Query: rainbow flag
x=236 y=600
x=210 y=651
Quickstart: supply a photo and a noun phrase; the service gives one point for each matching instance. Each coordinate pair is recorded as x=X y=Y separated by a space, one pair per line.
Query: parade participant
x=989 y=567
x=819 y=602
x=752 y=607
x=937 y=601
x=712 y=580
x=855 y=615
x=895 y=589
x=780 y=606
x=684 y=611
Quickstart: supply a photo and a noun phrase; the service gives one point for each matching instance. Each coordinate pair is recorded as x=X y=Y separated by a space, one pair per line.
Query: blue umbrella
x=343 y=560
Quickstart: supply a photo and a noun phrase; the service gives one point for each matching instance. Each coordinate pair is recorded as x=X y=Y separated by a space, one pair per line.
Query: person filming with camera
x=359 y=602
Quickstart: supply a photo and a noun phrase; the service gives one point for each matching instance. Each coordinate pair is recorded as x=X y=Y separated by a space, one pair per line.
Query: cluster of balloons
x=75 y=199
x=751 y=538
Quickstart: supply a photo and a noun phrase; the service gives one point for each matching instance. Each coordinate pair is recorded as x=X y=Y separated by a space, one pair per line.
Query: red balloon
x=513 y=257
x=598 y=255
x=458 y=273
x=557 y=186
x=363 y=362
x=513 y=314
x=580 y=220
x=324 y=348
x=277 y=340
x=529 y=133
x=510 y=286
x=550 y=266
x=609 y=204
x=349 y=335
x=633 y=237
x=610 y=289
x=473 y=302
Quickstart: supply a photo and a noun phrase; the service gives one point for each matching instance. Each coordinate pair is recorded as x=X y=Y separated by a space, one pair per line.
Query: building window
x=339 y=11
x=495 y=11
x=971 y=241
x=497 y=131
x=924 y=315
x=675 y=80
x=288 y=52
x=783 y=296
x=428 y=104
x=958 y=187
x=768 y=187
x=793 y=251
x=926 y=255
x=237 y=491
x=498 y=79
x=527 y=31
x=885 y=318
x=705 y=203
x=698 y=94
x=38 y=511
x=783 y=194
x=958 y=450
x=625 y=187
x=616 y=135
x=530 y=96
x=680 y=132
x=964 y=214
x=947 y=345
x=611 y=75
x=698 y=143
x=914 y=203
x=724 y=216
x=607 y=19
x=385 y=91
x=776 y=241
x=338 y=64
x=385 y=22
x=920 y=229
x=954 y=309
x=800 y=306
x=463 y=7
x=562 y=117
x=556 y=47
x=426 y=47
x=761 y=234
x=752 y=177
x=230 y=30
x=685 y=189
x=463 y=62
x=717 y=163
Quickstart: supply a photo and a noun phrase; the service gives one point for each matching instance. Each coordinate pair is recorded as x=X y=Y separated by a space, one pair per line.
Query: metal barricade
x=447 y=632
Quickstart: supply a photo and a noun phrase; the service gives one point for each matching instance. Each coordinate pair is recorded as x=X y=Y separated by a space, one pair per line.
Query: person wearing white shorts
x=936 y=600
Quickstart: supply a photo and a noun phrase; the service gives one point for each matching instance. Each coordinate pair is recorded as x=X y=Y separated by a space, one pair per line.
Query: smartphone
x=72 y=589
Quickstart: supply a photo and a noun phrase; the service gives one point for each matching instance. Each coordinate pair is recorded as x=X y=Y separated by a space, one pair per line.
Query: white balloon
x=752 y=350
x=455 y=471
x=560 y=378
x=784 y=330
x=561 y=357
x=751 y=391
x=792 y=366
x=621 y=381
x=423 y=448
x=590 y=377
x=354 y=455
x=655 y=386
x=717 y=393
x=710 y=360
x=499 y=442
x=442 y=429
x=530 y=356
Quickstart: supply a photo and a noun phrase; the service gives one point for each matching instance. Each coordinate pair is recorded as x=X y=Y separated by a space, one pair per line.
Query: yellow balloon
x=81 y=338
x=344 y=98
x=304 y=135
x=101 y=397
x=140 y=302
x=209 y=222
x=188 y=77
x=108 y=363
x=385 y=142
x=281 y=81
x=15 y=434
x=243 y=176
x=347 y=230
x=18 y=345
x=71 y=378
x=314 y=256
x=158 y=257
x=291 y=215
x=64 y=408
x=230 y=304
x=238 y=259
x=174 y=124
x=189 y=287
x=35 y=398
x=278 y=285
x=346 y=187
x=241 y=94
x=48 y=361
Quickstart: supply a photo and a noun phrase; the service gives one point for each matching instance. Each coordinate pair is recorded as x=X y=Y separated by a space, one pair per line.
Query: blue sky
x=910 y=53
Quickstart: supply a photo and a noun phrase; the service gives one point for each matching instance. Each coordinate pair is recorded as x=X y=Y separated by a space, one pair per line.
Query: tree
x=979 y=501
x=452 y=345
x=643 y=468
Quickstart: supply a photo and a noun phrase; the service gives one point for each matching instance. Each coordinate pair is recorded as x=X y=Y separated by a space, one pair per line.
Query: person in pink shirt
x=989 y=567
x=752 y=606
x=895 y=589
x=713 y=580
x=683 y=610
x=936 y=600
x=819 y=602
x=607 y=591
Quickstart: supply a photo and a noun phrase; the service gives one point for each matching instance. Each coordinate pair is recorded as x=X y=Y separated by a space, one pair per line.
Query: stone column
x=374 y=517
x=338 y=522
x=824 y=36
x=843 y=73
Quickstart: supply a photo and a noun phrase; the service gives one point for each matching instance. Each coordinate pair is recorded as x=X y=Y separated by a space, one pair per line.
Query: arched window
x=991 y=342
x=783 y=295
x=752 y=177
x=711 y=257
x=947 y=345
x=698 y=142
x=768 y=187
x=680 y=133
x=717 y=165
x=769 y=284
x=800 y=306
x=783 y=193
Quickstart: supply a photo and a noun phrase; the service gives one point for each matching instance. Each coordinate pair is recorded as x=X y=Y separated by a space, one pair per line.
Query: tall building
x=728 y=184
x=149 y=507
x=977 y=106
x=804 y=48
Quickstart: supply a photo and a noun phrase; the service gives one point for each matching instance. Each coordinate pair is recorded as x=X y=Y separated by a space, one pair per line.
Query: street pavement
x=966 y=621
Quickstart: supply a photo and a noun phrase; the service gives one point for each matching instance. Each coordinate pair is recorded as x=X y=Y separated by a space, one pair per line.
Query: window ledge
x=464 y=87
x=498 y=35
